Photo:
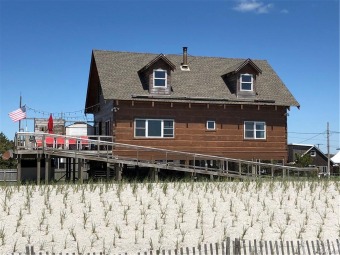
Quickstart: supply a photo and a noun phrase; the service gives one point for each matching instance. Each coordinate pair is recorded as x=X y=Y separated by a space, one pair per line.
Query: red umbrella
x=50 y=124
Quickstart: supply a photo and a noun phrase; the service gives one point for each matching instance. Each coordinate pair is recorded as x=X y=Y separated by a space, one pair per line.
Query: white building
x=79 y=129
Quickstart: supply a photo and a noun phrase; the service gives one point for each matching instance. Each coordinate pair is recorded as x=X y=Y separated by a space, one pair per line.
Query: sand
x=131 y=217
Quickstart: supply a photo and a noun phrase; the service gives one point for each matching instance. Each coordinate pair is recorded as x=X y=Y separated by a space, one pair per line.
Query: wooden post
x=227 y=248
x=237 y=247
x=47 y=167
x=259 y=166
x=261 y=248
x=313 y=249
x=329 y=247
x=282 y=248
x=19 y=170
x=276 y=247
x=68 y=169
x=271 y=247
x=74 y=168
x=153 y=173
x=107 y=171
x=255 y=247
x=308 y=250
x=272 y=168
x=239 y=168
x=38 y=169
x=292 y=244
x=156 y=170
x=80 y=170
x=338 y=244
x=118 y=172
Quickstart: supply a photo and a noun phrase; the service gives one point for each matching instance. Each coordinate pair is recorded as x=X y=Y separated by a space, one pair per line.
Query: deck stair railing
x=102 y=148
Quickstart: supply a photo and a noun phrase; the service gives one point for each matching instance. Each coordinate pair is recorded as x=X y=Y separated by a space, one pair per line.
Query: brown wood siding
x=191 y=134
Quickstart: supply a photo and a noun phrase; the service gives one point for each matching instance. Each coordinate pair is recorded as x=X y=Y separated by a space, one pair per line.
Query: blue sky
x=45 y=50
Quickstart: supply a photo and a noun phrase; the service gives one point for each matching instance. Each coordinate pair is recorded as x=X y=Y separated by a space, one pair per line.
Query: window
x=211 y=125
x=254 y=130
x=246 y=81
x=154 y=128
x=313 y=153
x=159 y=78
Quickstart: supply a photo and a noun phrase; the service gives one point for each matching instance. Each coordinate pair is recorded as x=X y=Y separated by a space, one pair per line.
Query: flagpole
x=20 y=107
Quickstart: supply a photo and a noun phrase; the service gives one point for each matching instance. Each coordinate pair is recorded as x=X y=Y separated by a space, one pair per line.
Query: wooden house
x=317 y=157
x=228 y=107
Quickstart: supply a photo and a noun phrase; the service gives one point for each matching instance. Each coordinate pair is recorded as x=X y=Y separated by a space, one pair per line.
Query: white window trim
x=166 y=78
x=207 y=126
x=251 y=82
x=254 y=130
x=162 y=128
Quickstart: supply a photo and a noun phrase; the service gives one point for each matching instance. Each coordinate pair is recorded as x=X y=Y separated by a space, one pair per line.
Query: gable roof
x=236 y=68
x=156 y=59
x=119 y=79
x=307 y=148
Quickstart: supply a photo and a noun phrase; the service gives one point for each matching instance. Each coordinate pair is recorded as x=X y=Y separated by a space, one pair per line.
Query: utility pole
x=328 y=155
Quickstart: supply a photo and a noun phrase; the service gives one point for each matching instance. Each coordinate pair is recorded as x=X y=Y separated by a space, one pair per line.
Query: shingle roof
x=118 y=74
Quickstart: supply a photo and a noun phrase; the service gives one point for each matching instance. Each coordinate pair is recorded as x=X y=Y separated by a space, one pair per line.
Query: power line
x=311 y=137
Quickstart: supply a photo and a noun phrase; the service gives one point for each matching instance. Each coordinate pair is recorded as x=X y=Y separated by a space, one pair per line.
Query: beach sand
x=132 y=217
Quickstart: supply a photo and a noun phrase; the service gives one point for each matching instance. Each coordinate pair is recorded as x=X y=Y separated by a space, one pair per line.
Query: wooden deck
x=115 y=155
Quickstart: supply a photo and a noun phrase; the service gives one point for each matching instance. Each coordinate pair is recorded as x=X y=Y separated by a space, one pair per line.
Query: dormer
x=156 y=75
x=241 y=78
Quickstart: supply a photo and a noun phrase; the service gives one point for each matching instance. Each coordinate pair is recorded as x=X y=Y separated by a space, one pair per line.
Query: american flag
x=18 y=114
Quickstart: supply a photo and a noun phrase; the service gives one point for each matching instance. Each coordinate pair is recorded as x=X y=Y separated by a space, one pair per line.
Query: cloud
x=284 y=11
x=252 y=6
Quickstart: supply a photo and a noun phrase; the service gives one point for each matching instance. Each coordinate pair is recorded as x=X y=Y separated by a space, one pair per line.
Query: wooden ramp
x=99 y=148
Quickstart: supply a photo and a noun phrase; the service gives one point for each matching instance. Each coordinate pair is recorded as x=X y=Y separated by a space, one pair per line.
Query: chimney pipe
x=185 y=56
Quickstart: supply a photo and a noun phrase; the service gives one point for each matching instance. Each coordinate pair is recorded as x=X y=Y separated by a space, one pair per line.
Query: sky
x=45 y=51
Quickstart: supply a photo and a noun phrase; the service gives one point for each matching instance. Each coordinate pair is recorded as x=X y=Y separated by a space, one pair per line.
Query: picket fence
x=231 y=247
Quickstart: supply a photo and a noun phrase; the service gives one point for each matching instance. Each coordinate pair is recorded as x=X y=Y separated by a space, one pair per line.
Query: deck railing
x=102 y=148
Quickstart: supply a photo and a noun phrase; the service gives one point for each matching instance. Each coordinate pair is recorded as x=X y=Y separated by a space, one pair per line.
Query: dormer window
x=159 y=78
x=246 y=81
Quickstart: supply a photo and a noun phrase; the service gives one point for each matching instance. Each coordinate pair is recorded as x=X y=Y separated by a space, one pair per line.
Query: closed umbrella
x=50 y=124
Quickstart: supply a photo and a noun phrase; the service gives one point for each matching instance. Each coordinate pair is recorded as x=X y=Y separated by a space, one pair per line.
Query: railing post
x=166 y=159
x=239 y=167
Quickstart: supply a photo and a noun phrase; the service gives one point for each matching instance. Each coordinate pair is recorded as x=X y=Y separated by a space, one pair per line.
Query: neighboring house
x=40 y=126
x=79 y=129
x=229 y=107
x=318 y=158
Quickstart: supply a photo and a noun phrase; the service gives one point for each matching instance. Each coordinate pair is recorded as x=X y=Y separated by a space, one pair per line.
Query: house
x=41 y=125
x=79 y=129
x=317 y=157
x=228 y=107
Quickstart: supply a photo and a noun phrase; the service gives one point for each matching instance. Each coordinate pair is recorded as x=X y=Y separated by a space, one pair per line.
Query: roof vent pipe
x=184 y=65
